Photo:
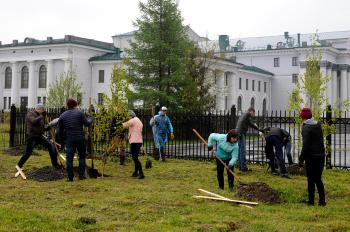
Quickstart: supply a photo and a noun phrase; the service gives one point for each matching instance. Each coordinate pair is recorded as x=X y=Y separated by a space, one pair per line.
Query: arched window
x=24 y=77
x=239 y=103
x=42 y=76
x=8 y=78
x=264 y=107
x=252 y=102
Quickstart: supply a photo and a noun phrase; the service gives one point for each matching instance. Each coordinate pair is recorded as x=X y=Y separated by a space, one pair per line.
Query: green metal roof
x=107 y=56
x=256 y=69
x=68 y=39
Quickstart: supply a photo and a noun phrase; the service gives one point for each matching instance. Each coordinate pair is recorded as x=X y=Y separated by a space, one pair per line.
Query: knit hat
x=232 y=134
x=131 y=114
x=71 y=103
x=39 y=106
x=306 y=113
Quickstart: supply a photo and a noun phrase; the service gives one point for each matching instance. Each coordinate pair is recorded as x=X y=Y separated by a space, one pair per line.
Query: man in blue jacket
x=227 y=151
x=71 y=124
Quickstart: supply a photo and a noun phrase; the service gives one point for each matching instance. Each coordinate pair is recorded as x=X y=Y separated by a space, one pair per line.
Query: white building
x=27 y=68
x=285 y=56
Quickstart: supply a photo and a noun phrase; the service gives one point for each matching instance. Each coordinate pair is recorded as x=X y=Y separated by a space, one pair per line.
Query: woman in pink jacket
x=135 y=139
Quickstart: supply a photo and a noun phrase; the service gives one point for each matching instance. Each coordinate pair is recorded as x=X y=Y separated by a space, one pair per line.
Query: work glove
x=261 y=134
x=171 y=136
x=210 y=148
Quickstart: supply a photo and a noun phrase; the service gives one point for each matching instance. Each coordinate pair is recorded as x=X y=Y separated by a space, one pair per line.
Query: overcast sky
x=100 y=19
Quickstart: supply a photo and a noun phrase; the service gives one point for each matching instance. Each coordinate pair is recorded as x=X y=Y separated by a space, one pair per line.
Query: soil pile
x=47 y=173
x=295 y=169
x=258 y=191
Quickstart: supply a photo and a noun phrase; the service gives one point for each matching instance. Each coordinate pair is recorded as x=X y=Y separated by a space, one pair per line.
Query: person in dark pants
x=276 y=138
x=244 y=122
x=313 y=153
x=35 y=121
x=70 y=125
x=135 y=139
x=227 y=151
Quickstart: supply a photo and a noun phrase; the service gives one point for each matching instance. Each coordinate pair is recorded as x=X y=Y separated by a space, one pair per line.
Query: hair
x=251 y=109
x=232 y=134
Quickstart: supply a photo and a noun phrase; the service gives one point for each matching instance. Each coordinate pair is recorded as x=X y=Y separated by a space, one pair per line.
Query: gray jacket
x=245 y=121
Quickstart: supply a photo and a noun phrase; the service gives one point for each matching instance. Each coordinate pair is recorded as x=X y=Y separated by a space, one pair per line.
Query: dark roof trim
x=257 y=70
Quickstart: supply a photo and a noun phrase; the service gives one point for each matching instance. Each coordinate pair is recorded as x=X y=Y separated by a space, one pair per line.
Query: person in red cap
x=313 y=153
x=71 y=124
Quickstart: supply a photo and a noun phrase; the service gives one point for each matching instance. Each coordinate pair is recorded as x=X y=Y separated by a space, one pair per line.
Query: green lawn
x=162 y=201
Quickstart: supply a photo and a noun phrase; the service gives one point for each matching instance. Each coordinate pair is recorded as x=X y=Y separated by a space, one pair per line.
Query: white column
x=303 y=95
x=67 y=65
x=15 y=85
x=329 y=85
x=32 y=85
x=230 y=90
x=2 y=85
x=220 y=93
x=334 y=86
x=348 y=79
x=50 y=76
x=343 y=83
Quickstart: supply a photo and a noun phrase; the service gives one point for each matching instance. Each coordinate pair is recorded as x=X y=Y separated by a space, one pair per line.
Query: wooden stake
x=226 y=199
x=20 y=173
x=218 y=196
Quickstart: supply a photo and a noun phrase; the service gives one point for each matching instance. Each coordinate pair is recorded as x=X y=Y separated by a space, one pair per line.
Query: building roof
x=68 y=39
x=256 y=69
x=107 y=56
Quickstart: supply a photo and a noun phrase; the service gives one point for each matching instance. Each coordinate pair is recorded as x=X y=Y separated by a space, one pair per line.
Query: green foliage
x=114 y=106
x=159 y=54
x=64 y=87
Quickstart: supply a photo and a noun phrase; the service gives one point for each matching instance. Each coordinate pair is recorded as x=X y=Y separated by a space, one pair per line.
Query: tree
x=64 y=87
x=159 y=53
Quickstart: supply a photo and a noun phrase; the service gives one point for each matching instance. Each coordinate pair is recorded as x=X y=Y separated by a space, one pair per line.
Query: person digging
x=227 y=151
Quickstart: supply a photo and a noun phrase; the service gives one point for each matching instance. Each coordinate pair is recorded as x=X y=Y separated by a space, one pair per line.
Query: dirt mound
x=258 y=191
x=47 y=173
x=295 y=169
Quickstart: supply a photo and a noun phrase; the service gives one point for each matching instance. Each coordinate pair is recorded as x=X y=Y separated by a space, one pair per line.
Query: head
x=163 y=110
x=232 y=136
x=39 y=108
x=71 y=103
x=251 y=111
x=305 y=113
x=131 y=114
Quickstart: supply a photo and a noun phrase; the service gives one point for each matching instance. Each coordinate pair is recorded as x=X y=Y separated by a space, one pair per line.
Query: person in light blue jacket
x=227 y=151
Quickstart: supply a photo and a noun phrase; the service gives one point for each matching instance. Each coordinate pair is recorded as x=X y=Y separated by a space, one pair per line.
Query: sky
x=101 y=19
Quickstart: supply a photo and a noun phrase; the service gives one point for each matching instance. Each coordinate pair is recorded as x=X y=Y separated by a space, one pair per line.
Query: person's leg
x=135 y=149
x=279 y=154
x=81 y=147
x=52 y=151
x=289 y=153
x=270 y=154
x=69 y=162
x=319 y=161
x=28 y=151
x=230 y=177
x=310 y=181
x=220 y=173
x=242 y=154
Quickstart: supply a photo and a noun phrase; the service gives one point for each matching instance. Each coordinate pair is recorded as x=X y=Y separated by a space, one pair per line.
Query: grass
x=162 y=201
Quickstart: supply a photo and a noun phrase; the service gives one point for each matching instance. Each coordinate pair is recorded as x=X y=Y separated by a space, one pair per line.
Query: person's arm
x=128 y=124
x=86 y=120
x=234 y=156
x=60 y=130
x=169 y=126
x=306 y=141
x=32 y=119
x=286 y=136
x=252 y=124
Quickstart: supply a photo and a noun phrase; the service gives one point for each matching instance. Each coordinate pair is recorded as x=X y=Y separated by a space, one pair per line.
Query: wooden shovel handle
x=216 y=156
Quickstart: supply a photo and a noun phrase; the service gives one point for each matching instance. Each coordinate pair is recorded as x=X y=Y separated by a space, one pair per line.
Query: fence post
x=329 y=138
x=233 y=116
x=12 y=125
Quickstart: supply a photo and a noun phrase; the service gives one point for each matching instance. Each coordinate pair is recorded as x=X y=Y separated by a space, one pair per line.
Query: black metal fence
x=187 y=146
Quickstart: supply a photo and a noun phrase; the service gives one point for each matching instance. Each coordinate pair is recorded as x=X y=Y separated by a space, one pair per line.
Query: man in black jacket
x=35 y=121
x=244 y=122
x=313 y=152
x=276 y=138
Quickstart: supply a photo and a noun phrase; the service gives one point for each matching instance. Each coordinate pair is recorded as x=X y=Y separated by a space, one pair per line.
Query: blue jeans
x=241 y=153
x=288 y=153
x=276 y=142
x=72 y=145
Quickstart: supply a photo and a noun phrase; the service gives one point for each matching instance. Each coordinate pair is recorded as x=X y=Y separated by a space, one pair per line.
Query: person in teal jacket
x=227 y=151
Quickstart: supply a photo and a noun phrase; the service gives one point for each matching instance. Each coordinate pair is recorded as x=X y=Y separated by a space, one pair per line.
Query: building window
x=42 y=76
x=39 y=100
x=253 y=85
x=259 y=85
x=5 y=102
x=226 y=103
x=276 y=62
x=101 y=76
x=24 y=102
x=44 y=100
x=24 y=77
x=226 y=78
x=294 y=61
x=100 y=98
x=8 y=78
x=295 y=78
x=9 y=106
x=239 y=103
x=265 y=87
x=252 y=102
x=240 y=83
x=246 y=84
x=264 y=107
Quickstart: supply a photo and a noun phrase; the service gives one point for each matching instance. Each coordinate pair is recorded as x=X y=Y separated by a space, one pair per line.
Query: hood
x=310 y=121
